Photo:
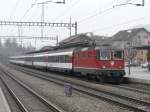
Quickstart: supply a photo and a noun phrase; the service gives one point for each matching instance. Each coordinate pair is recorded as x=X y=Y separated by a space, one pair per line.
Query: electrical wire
x=67 y=10
x=28 y=10
x=127 y=22
x=96 y=12
x=14 y=9
x=94 y=15
x=99 y=13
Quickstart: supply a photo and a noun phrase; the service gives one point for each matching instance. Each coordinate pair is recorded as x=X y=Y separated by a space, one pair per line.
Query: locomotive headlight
x=112 y=63
x=120 y=66
x=103 y=67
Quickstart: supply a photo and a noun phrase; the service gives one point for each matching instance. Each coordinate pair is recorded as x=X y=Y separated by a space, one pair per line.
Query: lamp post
x=129 y=57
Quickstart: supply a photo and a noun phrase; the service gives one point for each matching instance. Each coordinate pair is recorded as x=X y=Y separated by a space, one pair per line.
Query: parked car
x=144 y=65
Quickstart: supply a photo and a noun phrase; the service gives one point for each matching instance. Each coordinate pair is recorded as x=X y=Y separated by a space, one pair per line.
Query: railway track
x=140 y=86
x=136 y=105
x=134 y=89
x=26 y=98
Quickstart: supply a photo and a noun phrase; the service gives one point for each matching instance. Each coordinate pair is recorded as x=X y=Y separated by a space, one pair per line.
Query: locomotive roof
x=97 y=47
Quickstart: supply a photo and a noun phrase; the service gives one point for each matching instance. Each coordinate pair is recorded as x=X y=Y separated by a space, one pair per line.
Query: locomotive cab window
x=118 y=54
x=105 y=54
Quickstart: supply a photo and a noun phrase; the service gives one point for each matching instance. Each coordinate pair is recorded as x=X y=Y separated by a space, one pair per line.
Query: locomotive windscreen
x=118 y=54
x=105 y=54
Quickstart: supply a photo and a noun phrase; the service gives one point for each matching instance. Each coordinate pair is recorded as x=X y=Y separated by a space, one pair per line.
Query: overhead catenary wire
x=67 y=10
x=94 y=15
x=119 y=24
x=107 y=10
x=14 y=8
x=28 y=10
x=97 y=13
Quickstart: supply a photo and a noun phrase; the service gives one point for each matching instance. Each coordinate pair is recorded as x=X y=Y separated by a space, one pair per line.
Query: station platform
x=138 y=74
x=4 y=107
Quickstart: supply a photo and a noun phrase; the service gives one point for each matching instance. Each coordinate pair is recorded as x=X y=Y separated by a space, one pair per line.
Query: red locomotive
x=103 y=63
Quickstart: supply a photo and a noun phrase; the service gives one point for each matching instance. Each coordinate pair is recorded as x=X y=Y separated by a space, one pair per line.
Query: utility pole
x=35 y=43
x=43 y=13
x=56 y=40
x=70 y=26
x=76 y=28
x=20 y=33
x=42 y=20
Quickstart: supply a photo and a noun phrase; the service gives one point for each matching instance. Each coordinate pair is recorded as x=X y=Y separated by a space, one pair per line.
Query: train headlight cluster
x=103 y=66
x=112 y=63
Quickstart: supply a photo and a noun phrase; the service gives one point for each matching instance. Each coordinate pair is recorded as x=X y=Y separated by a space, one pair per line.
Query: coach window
x=54 y=58
x=105 y=54
x=51 y=58
x=41 y=59
x=58 y=59
x=61 y=59
x=65 y=59
x=37 y=58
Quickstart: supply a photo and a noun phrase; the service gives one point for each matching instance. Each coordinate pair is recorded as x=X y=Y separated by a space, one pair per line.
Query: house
x=132 y=38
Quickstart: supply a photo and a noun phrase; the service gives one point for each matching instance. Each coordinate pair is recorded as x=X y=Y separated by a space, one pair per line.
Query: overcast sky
x=97 y=16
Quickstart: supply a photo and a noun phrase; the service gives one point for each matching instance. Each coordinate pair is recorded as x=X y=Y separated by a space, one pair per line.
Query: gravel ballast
x=76 y=103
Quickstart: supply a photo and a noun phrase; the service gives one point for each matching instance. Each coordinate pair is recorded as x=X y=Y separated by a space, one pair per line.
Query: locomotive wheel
x=88 y=77
x=97 y=78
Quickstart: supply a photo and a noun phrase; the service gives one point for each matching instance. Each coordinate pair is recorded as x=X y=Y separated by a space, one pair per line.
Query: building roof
x=46 y=48
x=43 y=49
x=83 y=39
x=126 y=35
